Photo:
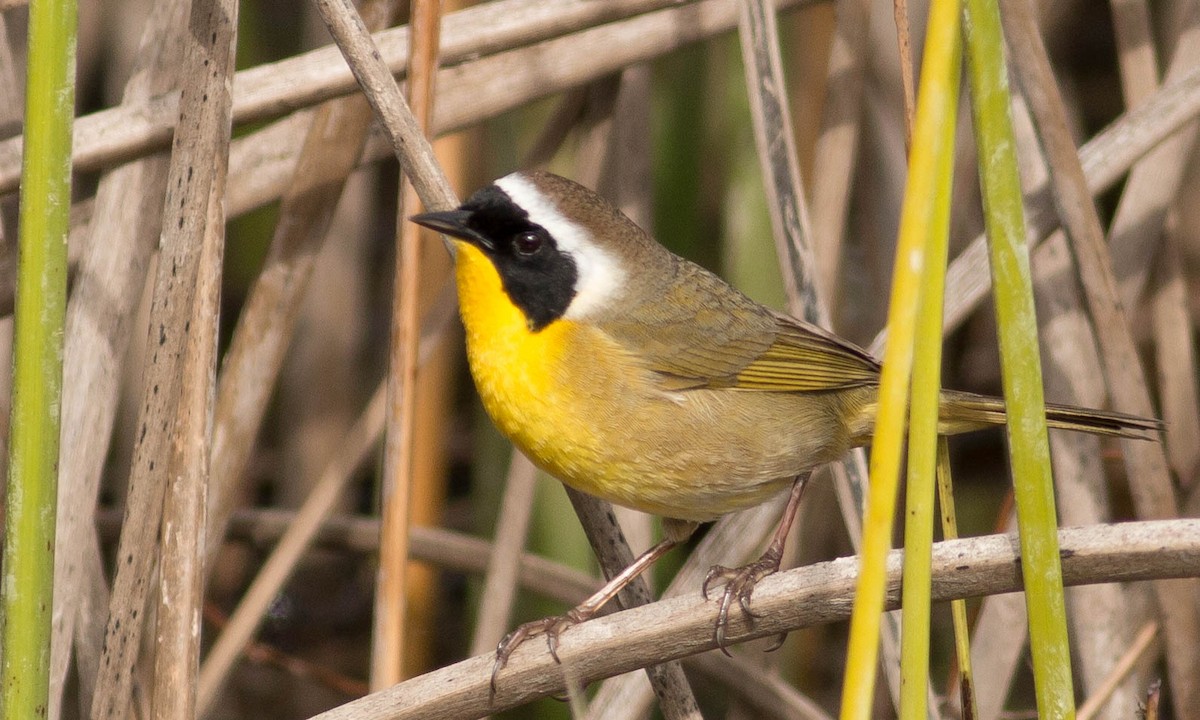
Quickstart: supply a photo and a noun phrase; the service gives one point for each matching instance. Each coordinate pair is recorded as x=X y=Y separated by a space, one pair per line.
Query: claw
x=777 y=644
x=739 y=584
x=551 y=627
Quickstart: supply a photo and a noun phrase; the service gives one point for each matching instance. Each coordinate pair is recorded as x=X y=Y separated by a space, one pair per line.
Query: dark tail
x=964 y=412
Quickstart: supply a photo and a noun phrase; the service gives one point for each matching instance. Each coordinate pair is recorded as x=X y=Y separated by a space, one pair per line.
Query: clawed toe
x=551 y=627
x=739 y=584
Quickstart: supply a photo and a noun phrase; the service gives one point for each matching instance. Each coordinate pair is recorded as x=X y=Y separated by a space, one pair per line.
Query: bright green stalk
x=37 y=360
x=923 y=427
x=958 y=608
x=1020 y=364
x=935 y=110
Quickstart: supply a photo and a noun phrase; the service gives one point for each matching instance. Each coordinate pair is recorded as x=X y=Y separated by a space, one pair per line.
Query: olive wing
x=702 y=333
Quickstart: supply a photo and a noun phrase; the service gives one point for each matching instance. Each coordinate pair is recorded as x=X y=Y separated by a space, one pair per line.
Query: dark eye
x=528 y=243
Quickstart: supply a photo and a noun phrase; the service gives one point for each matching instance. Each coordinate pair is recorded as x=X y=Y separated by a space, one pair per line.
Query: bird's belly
x=583 y=410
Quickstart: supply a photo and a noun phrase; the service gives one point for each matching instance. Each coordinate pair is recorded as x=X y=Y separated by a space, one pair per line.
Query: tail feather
x=964 y=412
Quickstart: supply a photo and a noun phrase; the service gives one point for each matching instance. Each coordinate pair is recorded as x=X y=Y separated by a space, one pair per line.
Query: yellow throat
x=523 y=377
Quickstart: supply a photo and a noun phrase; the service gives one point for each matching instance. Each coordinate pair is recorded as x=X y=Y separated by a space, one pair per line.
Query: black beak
x=452 y=223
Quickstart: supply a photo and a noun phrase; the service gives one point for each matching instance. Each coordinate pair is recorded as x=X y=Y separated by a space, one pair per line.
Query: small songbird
x=636 y=376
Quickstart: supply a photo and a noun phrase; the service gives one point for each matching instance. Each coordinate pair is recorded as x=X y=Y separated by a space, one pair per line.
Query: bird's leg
x=740 y=582
x=552 y=627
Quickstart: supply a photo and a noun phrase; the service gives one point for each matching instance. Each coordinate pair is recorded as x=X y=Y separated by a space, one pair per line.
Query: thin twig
x=1136 y=60
x=777 y=158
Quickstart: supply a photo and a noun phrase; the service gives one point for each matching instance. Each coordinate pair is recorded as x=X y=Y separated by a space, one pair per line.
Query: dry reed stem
x=490 y=84
x=300 y=531
x=634 y=148
x=408 y=141
x=836 y=152
x=275 y=89
x=775 y=141
x=1154 y=181
x=788 y=209
x=89 y=629
x=12 y=100
x=1175 y=359
x=604 y=534
x=786 y=200
x=1146 y=465
x=181 y=569
x=1103 y=618
x=815 y=594
x=1105 y=158
x=907 y=84
x=298 y=537
x=107 y=286
x=1134 y=36
x=1123 y=667
x=328 y=149
x=261 y=164
x=445 y=548
x=596 y=154
x=390 y=617
x=504 y=560
x=998 y=641
x=763 y=694
x=197 y=167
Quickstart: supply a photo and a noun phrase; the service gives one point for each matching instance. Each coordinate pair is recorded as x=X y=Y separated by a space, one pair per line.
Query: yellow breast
x=528 y=382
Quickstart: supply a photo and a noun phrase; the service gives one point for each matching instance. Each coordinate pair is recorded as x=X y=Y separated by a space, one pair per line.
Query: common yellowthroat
x=634 y=375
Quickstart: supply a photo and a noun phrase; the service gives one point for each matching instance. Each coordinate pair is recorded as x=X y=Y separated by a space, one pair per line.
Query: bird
x=636 y=376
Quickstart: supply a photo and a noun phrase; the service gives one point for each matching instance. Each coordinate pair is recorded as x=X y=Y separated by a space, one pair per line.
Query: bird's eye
x=528 y=243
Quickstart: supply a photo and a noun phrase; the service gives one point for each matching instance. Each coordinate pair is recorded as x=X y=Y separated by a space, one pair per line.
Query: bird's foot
x=739 y=584
x=551 y=627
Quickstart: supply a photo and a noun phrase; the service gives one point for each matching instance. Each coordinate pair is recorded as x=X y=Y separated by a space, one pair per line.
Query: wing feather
x=699 y=334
